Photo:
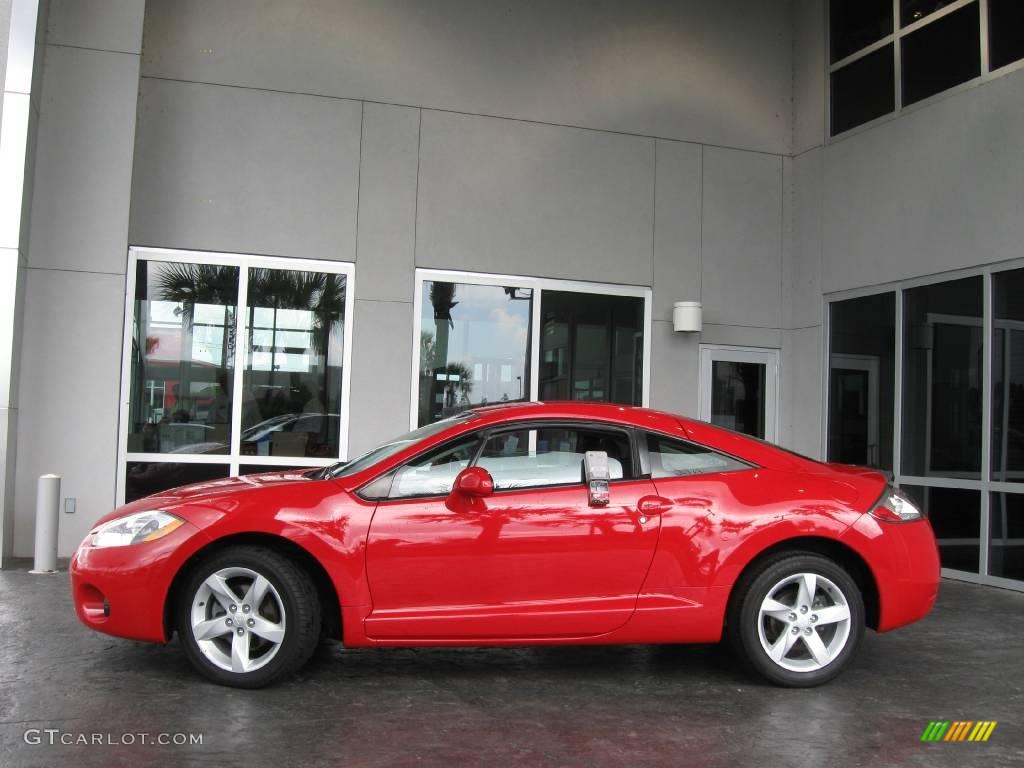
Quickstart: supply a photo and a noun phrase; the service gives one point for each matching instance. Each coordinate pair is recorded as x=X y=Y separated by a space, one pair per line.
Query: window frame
x=986 y=485
x=538 y=285
x=987 y=73
x=233 y=458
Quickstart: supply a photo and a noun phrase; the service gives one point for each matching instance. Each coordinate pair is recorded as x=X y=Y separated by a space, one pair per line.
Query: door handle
x=653 y=505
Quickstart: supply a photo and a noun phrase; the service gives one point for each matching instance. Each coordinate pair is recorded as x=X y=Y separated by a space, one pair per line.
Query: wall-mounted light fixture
x=687 y=316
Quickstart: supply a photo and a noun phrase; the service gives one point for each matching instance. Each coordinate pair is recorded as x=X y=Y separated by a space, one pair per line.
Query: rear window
x=671 y=457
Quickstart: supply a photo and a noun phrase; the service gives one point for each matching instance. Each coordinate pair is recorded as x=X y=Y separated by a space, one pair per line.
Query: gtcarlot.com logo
x=958 y=730
x=55 y=736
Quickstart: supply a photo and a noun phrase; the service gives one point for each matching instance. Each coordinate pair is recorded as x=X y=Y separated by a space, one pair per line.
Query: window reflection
x=943 y=379
x=1008 y=376
x=474 y=347
x=738 y=396
x=955 y=516
x=862 y=343
x=183 y=332
x=144 y=478
x=1006 y=547
x=591 y=347
x=291 y=396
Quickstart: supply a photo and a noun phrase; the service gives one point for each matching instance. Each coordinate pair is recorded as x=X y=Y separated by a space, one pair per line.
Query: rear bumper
x=904 y=559
x=122 y=591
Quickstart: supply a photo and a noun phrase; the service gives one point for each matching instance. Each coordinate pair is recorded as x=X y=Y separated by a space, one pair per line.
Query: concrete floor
x=646 y=706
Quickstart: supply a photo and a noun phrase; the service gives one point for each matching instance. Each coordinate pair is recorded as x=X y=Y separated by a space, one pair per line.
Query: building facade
x=252 y=235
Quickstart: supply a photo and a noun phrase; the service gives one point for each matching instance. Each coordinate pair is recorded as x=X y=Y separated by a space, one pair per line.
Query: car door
x=532 y=560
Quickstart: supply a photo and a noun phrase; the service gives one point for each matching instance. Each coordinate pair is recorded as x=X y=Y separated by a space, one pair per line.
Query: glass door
x=738 y=389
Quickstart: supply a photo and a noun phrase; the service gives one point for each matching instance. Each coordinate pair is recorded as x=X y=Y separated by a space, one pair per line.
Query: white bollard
x=47 y=515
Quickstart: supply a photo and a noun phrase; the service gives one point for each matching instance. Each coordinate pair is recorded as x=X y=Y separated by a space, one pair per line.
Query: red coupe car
x=520 y=524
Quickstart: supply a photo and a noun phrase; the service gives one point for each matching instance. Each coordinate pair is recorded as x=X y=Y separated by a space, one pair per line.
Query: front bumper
x=122 y=591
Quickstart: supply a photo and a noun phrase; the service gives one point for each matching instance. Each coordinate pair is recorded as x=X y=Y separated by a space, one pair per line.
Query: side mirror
x=597 y=473
x=474 y=482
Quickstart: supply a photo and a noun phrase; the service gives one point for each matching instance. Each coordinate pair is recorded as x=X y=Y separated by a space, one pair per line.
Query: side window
x=532 y=458
x=433 y=473
x=677 y=458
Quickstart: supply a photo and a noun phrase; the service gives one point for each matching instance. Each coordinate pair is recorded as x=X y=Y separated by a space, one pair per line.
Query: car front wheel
x=248 y=617
x=797 y=620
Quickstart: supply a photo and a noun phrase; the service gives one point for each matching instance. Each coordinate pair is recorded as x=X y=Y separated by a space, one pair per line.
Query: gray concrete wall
x=76 y=259
x=937 y=188
x=716 y=73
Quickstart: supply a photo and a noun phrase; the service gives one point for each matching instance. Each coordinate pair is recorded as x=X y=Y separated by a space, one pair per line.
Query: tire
x=786 y=638
x=268 y=634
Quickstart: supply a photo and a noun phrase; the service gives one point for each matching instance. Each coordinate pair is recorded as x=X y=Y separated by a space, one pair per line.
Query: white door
x=739 y=389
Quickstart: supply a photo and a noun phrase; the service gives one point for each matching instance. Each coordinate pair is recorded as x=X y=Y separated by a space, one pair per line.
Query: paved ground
x=624 y=706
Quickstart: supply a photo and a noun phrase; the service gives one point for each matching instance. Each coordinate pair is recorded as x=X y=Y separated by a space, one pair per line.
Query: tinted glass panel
x=552 y=456
x=1006 y=550
x=435 y=473
x=854 y=24
x=1008 y=376
x=955 y=515
x=147 y=478
x=677 y=458
x=862 y=340
x=915 y=10
x=474 y=347
x=941 y=54
x=259 y=469
x=291 y=398
x=591 y=347
x=183 y=336
x=942 y=379
x=1005 y=32
x=863 y=90
x=738 y=396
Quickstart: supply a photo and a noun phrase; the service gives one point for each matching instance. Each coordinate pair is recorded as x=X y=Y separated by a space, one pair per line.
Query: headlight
x=896 y=507
x=136 y=528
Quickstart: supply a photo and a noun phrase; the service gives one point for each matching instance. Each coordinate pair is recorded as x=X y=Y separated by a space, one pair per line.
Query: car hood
x=211 y=493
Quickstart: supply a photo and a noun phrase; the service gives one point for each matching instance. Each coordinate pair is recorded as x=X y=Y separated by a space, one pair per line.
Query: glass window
x=528 y=458
x=955 y=515
x=941 y=54
x=915 y=10
x=591 y=347
x=677 y=458
x=259 y=469
x=1005 y=32
x=738 y=396
x=942 y=379
x=862 y=369
x=863 y=90
x=1006 y=547
x=434 y=473
x=182 y=355
x=855 y=24
x=144 y=478
x=1008 y=376
x=474 y=347
x=291 y=395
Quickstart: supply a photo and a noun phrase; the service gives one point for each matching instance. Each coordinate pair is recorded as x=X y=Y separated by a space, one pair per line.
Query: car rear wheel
x=248 y=617
x=797 y=619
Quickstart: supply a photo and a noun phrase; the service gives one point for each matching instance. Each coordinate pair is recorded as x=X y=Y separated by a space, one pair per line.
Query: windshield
x=392 y=447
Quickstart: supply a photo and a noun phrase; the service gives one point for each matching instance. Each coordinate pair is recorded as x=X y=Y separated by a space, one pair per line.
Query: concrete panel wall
x=82 y=181
x=512 y=197
x=72 y=274
x=677 y=225
x=682 y=69
x=381 y=373
x=940 y=188
x=70 y=374
x=245 y=171
x=809 y=74
x=741 y=253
